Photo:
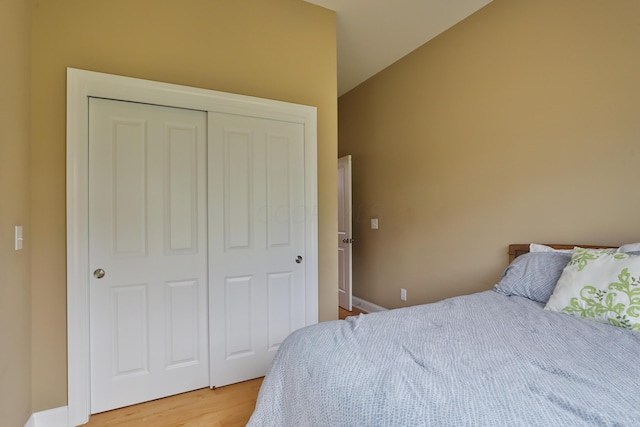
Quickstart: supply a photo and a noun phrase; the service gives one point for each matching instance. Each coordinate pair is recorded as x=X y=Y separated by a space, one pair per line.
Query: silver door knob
x=298 y=259
x=98 y=273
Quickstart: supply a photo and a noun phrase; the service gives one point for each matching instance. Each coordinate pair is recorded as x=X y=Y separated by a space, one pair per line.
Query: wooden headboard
x=517 y=249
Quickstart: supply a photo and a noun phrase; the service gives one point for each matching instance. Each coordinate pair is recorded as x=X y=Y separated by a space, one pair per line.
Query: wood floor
x=225 y=406
x=342 y=313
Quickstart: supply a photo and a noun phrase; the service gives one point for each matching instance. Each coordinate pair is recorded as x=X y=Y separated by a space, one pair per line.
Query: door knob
x=345 y=240
x=98 y=273
x=298 y=259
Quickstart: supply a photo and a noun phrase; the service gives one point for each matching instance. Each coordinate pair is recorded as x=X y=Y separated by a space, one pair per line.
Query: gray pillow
x=533 y=275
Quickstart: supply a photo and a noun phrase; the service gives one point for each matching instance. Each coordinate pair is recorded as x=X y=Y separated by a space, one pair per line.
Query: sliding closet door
x=147 y=252
x=257 y=217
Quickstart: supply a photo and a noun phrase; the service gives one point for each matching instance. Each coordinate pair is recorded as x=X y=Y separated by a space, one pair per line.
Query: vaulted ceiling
x=373 y=34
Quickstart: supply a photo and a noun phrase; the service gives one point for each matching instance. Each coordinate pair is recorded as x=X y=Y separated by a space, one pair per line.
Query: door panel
x=128 y=150
x=131 y=330
x=181 y=316
x=237 y=204
x=237 y=322
x=147 y=231
x=181 y=190
x=280 y=295
x=256 y=232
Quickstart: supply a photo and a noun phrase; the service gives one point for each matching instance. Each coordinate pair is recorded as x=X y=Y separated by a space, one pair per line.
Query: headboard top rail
x=517 y=249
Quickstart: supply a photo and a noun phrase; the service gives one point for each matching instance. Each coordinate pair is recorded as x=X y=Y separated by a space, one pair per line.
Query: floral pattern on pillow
x=595 y=303
x=582 y=256
x=600 y=285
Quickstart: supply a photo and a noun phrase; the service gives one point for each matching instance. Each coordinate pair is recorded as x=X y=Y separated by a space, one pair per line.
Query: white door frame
x=345 y=299
x=82 y=85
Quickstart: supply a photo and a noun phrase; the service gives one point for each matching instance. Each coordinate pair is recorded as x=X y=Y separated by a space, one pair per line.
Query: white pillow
x=536 y=247
x=601 y=285
x=630 y=247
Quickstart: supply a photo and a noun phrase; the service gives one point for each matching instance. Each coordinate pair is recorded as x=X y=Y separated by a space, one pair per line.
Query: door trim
x=82 y=85
x=346 y=163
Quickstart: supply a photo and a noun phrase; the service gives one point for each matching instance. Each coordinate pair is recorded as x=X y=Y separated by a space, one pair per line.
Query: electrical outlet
x=403 y=294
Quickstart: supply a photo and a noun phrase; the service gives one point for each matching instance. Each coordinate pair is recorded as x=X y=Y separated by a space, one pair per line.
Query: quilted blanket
x=479 y=360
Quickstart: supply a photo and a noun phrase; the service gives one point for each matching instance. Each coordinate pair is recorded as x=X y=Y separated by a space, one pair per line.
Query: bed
x=502 y=357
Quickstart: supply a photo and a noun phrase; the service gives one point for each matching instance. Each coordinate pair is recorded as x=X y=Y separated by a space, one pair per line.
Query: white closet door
x=257 y=217
x=147 y=232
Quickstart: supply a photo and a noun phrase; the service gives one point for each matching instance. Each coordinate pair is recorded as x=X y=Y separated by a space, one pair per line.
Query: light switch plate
x=374 y=223
x=18 y=237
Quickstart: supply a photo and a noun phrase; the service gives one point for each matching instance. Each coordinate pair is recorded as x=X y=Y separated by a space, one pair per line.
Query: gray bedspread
x=480 y=360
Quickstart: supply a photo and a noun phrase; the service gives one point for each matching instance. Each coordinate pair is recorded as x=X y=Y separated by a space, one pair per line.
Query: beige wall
x=277 y=49
x=519 y=124
x=15 y=292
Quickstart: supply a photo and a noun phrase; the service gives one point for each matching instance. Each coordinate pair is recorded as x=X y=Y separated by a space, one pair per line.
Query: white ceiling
x=373 y=34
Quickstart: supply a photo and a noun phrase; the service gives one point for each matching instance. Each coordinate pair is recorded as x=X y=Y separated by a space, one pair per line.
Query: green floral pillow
x=601 y=285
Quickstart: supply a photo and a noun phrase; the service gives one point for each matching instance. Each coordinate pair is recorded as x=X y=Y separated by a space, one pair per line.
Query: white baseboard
x=56 y=417
x=367 y=306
